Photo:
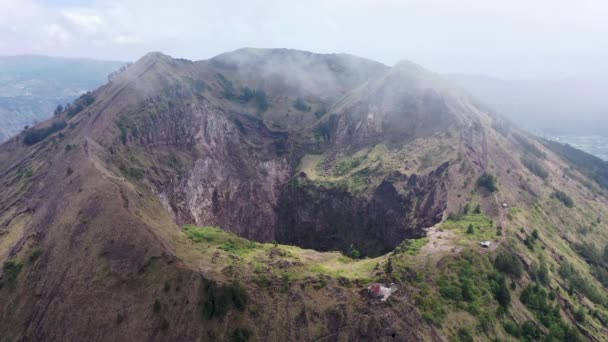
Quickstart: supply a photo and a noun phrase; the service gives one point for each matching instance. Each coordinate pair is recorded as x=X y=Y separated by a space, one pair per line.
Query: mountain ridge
x=400 y=173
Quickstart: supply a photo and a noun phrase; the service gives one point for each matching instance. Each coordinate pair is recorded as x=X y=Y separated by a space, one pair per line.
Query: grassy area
x=476 y=227
x=270 y=260
x=411 y=246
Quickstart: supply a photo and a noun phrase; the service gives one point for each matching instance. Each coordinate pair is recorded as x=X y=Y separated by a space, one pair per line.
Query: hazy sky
x=515 y=38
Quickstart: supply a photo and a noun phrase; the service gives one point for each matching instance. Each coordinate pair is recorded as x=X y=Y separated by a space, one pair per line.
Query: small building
x=485 y=244
x=379 y=291
x=505 y=205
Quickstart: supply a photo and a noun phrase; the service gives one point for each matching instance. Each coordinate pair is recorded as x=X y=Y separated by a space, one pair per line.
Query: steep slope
x=390 y=166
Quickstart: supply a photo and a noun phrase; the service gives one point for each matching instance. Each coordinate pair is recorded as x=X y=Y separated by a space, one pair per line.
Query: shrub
x=262 y=100
x=487 y=181
x=58 y=110
x=579 y=315
x=534 y=167
x=568 y=272
x=80 y=104
x=36 y=253
x=477 y=209
x=262 y=280
x=530 y=332
x=564 y=198
x=508 y=262
x=35 y=135
x=156 y=306
x=324 y=130
x=464 y=335
x=220 y=299
x=451 y=292
x=471 y=229
x=12 y=268
x=501 y=293
x=241 y=335
x=511 y=328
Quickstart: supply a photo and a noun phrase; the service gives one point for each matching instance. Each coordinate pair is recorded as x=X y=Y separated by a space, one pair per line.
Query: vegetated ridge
x=255 y=196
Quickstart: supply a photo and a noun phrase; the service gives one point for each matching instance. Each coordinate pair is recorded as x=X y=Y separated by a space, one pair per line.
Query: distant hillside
x=570 y=105
x=32 y=86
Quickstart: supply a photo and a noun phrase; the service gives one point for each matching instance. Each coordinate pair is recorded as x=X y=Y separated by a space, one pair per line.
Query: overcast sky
x=514 y=39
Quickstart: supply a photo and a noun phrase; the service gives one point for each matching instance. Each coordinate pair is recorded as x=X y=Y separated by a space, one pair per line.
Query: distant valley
x=31 y=87
x=573 y=105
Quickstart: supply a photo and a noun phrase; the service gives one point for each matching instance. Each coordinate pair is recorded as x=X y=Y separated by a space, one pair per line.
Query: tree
x=477 y=209
x=58 y=110
x=579 y=314
x=487 y=181
x=471 y=229
x=508 y=262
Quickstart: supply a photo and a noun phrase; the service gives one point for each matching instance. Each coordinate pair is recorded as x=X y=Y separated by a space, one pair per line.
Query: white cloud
x=58 y=35
x=514 y=38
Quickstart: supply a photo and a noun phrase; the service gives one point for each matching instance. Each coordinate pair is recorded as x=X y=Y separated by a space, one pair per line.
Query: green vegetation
x=323 y=130
x=259 y=96
x=80 y=104
x=564 y=198
x=473 y=226
x=34 y=135
x=580 y=283
x=477 y=209
x=534 y=167
x=346 y=164
x=466 y=284
x=219 y=299
x=226 y=241
x=36 y=253
x=528 y=332
x=228 y=91
x=132 y=172
x=535 y=298
x=12 y=268
x=508 y=263
x=411 y=246
x=598 y=261
x=299 y=104
x=487 y=181
x=306 y=263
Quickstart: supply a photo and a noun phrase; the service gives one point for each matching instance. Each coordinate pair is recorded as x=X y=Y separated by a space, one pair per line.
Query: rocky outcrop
x=322 y=218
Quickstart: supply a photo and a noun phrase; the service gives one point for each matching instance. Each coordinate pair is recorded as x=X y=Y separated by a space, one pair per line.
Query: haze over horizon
x=471 y=36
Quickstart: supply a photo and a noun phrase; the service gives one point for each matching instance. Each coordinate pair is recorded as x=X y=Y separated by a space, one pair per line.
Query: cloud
x=515 y=38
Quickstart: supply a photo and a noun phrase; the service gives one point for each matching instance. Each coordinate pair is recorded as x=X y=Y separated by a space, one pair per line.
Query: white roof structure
x=382 y=292
x=485 y=244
